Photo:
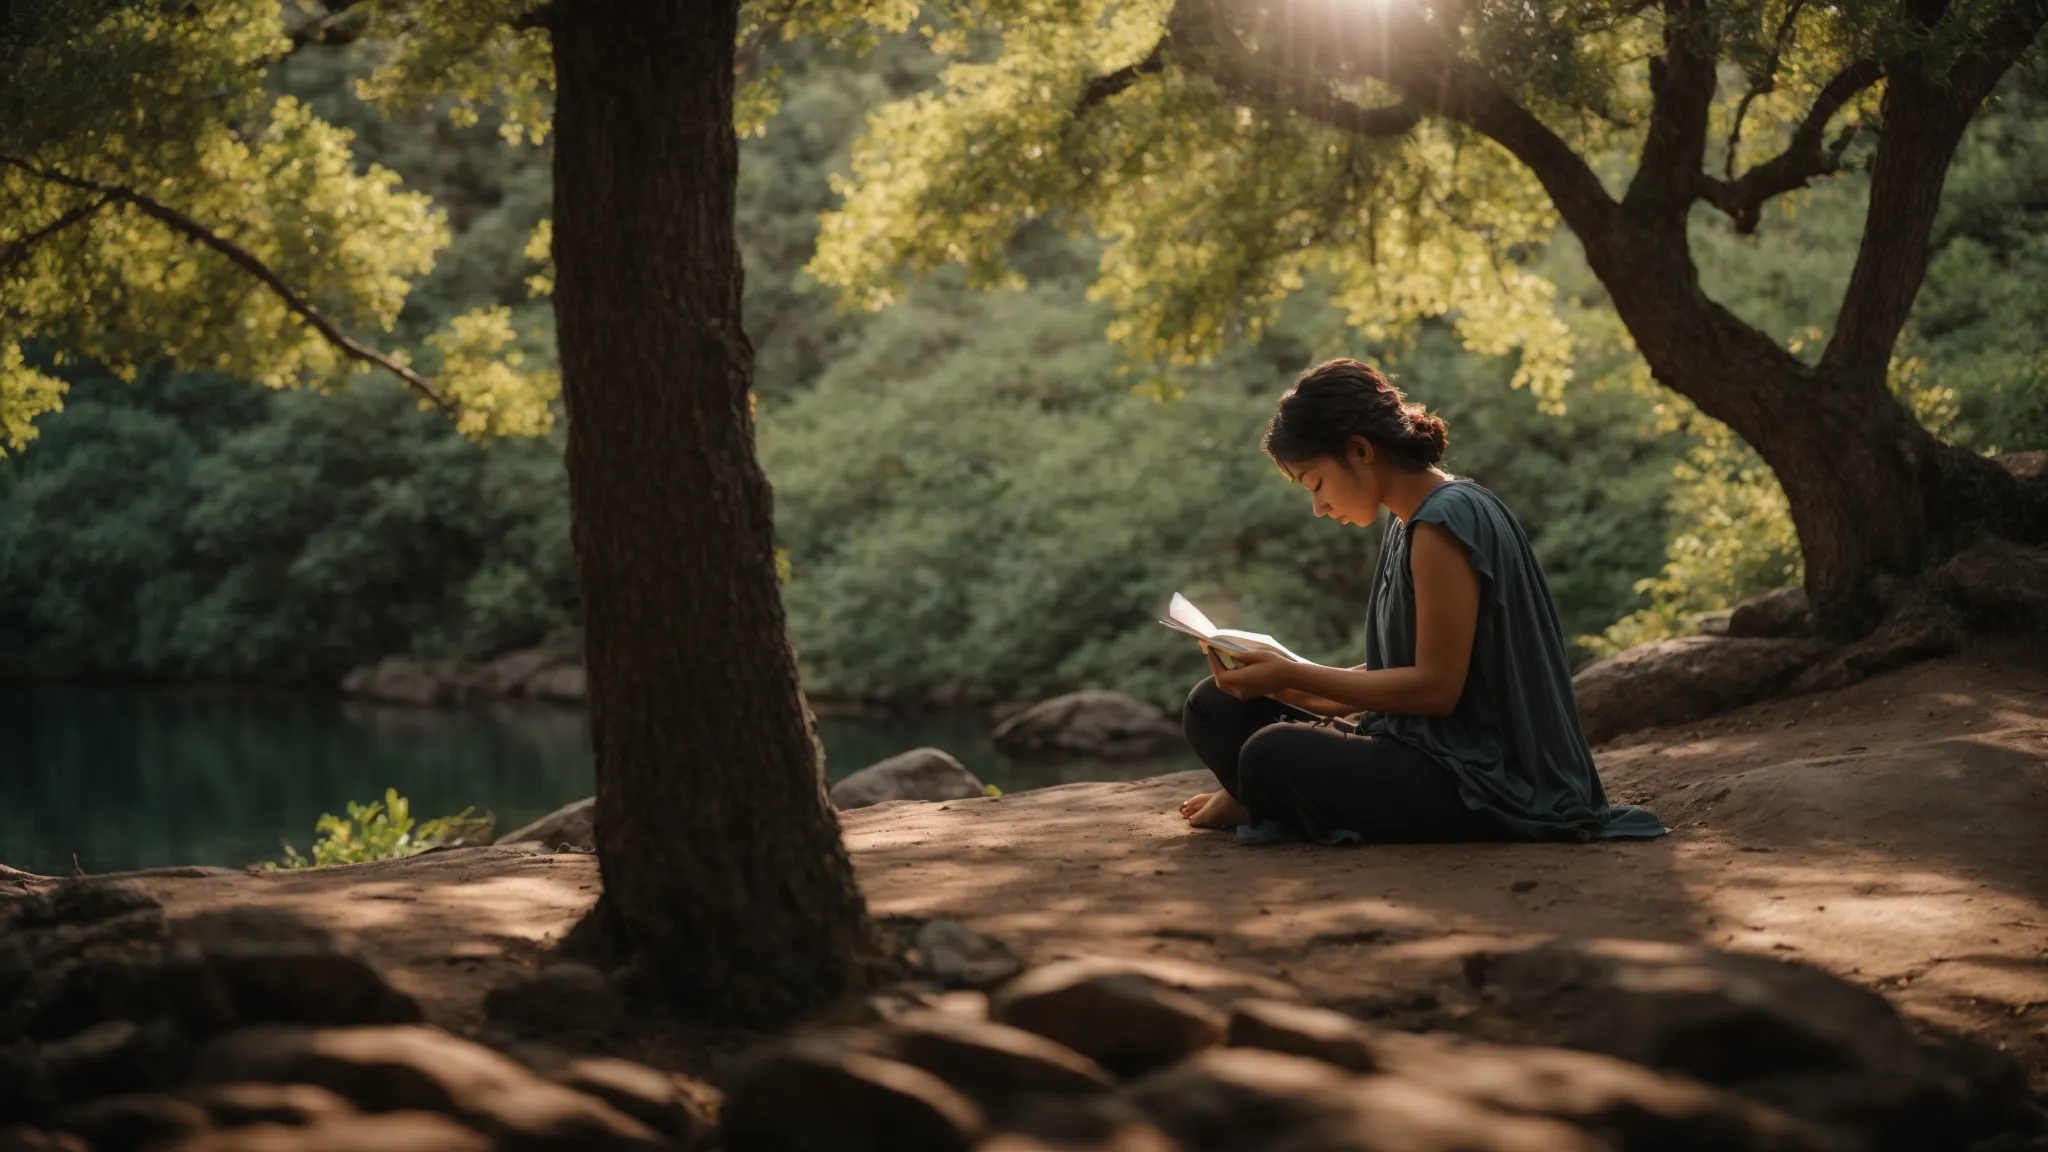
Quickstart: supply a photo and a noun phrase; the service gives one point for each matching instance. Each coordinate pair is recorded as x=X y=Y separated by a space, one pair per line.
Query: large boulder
x=1682 y=680
x=574 y=824
x=508 y=674
x=562 y=683
x=1633 y=1108
x=1784 y=1035
x=1999 y=583
x=1102 y=725
x=1248 y=1099
x=90 y=954
x=404 y=680
x=919 y=774
x=1772 y=615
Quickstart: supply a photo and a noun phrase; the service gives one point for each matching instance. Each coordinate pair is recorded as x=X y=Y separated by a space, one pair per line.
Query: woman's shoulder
x=1459 y=496
x=1471 y=513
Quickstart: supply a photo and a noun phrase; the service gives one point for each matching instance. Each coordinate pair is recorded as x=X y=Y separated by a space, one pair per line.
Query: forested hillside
x=977 y=500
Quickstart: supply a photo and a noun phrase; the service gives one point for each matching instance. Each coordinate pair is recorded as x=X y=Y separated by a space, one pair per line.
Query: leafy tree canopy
x=160 y=201
x=1232 y=152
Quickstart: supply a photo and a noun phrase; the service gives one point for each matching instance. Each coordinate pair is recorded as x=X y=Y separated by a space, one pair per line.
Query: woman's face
x=1345 y=488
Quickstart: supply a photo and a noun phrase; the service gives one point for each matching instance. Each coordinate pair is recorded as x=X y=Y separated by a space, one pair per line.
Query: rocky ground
x=1889 y=834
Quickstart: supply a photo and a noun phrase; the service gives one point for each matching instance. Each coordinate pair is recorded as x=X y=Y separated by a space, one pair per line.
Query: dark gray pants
x=1320 y=779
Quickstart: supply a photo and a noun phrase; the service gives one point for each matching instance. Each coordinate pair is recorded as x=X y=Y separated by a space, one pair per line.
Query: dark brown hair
x=1339 y=399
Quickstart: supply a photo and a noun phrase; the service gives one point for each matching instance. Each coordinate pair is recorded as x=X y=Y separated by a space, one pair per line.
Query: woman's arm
x=1310 y=702
x=1306 y=702
x=1446 y=618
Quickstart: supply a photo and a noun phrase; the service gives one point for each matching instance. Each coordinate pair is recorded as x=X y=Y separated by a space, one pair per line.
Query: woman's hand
x=1257 y=674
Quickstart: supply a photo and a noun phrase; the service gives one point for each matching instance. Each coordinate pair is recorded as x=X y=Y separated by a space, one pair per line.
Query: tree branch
x=535 y=17
x=1101 y=88
x=242 y=257
x=1928 y=105
x=324 y=30
x=1391 y=41
x=1682 y=91
x=1806 y=157
x=1761 y=85
x=18 y=251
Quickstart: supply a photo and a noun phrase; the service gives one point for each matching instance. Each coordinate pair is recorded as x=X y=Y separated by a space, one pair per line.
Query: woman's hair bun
x=1429 y=436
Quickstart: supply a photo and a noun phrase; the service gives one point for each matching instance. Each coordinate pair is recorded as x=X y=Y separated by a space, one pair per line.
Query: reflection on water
x=128 y=778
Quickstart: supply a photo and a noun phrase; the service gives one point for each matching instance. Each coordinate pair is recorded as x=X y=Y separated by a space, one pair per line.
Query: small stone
x=21 y=1138
x=390 y=1132
x=816 y=1095
x=1123 y=1138
x=1316 y=1033
x=565 y=997
x=1522 y=886
x=130 y=1121
x=113 y=1056
x=1238 y=1097
x=652 y=1097
x=991 y=1062
x=956 y=956
x=240 y=1105
x=1124 y=1021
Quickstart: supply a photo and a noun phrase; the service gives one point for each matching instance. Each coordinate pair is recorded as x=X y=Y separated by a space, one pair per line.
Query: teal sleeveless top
x=1513 y=741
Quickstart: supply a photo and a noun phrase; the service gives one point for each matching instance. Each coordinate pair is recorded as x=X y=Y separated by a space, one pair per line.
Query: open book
x=1183 y=616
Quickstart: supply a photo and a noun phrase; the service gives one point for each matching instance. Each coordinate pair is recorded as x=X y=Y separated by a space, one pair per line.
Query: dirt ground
x=1894 y=833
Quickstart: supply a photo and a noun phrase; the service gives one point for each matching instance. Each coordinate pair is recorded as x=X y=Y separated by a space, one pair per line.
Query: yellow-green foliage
x=1731 y=536
x=382 y=830
x=1218 y=200
x=109 y=105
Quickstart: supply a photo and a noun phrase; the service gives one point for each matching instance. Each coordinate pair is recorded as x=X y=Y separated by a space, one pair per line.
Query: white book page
x=1185 y=617
x=1182 y=611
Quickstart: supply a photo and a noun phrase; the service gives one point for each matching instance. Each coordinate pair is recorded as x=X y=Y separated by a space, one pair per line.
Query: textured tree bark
x=724 y=874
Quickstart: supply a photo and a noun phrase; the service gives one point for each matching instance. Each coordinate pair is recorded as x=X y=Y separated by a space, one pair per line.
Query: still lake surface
x=131 y=778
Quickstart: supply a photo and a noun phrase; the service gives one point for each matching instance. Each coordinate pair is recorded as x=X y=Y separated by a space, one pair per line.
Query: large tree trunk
x=1877 y=500
x=724 y=874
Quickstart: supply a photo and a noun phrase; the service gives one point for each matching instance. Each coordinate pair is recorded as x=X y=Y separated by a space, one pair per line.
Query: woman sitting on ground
x=1461 y=724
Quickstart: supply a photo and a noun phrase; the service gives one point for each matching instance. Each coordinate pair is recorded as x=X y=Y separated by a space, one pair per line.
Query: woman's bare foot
x=1193 y=804
x=1221 y=811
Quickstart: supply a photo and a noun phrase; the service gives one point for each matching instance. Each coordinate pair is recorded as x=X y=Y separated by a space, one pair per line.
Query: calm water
x=135 y=779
